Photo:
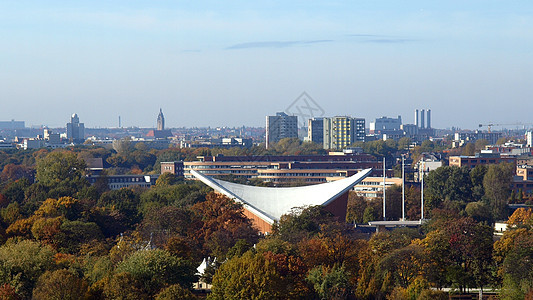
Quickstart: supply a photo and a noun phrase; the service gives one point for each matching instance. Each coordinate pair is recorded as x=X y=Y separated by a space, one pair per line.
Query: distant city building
x=75 y=129
x=428 y=162
x=279 y=127
x=172 y=167
x=12 y=124
x=218 y=143
x=385 y=124
x=341 y=132
x=461 y=138
x=480 y=159
x=116 y=182
x=315 y=130
x=160 y=120
x=160 y=132
x=529 y=138
x=52 y=138
x=282 y=169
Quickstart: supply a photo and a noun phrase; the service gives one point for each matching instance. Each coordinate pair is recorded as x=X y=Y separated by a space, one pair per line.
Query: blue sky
x=231 y=63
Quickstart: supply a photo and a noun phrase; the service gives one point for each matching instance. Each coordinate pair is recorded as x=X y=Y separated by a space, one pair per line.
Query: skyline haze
x=231 y=64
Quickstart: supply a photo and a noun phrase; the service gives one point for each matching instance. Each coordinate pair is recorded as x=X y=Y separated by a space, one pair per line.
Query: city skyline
x=230 y=64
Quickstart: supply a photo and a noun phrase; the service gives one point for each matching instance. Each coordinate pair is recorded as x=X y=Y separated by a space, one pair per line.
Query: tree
x=13 y=172
x=301 y=222
x=60 y=285
x=479 y=211
x=58 y=167
x=469 y=149
x=404 y=143
x=22 y=263
x=448 y=184
x=462 y=250
x=223 y=223
x=250 y=276
x=166 y=179
x=330 y=283
x=175 y=292
x=497 y=184
x=155 y=269
x=404 y=264
x=481 y=143
x=355 y=209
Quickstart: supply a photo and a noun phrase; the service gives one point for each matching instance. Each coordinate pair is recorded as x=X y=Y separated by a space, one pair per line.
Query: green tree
x=497 y=184
x=404 y=143
x=22 y=263
x=448 y=184
x=330 y=283
x=301 y=222
x=157 y=268
x=58 y=167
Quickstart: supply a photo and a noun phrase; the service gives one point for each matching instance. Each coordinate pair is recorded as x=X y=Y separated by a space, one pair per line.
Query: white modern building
x=264 y=205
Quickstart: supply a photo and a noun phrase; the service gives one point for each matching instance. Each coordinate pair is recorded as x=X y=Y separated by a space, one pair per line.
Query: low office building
x=480 y=159
x=172 y=167
x=116 y=182
x=283 y=168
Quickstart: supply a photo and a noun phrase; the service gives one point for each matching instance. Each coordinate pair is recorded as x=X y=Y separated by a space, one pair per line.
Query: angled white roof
x=270 y=203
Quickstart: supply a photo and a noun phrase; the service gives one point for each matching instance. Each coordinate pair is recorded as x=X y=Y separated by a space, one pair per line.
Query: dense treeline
x=64 y=239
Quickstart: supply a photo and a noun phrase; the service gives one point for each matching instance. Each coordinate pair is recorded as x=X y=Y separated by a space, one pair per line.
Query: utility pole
x=384 y=189
x=422 y=193
x=403 y=187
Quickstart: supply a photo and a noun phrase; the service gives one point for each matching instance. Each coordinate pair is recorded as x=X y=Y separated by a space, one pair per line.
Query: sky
x=231 y=63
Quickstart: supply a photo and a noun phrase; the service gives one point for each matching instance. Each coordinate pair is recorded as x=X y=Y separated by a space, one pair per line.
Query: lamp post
x=403 y=187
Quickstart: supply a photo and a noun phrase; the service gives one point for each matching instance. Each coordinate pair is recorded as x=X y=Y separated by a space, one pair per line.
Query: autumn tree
x=251 y=276
x=60 y=285
x=223 y=223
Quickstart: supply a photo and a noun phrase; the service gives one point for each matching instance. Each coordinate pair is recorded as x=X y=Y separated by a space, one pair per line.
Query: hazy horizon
x=232 y=63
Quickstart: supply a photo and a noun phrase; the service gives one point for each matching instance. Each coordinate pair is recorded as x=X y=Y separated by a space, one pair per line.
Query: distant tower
x=429 y=117
x=160 y=120
x=75 y=129
x=422 y=118
x=416 y=117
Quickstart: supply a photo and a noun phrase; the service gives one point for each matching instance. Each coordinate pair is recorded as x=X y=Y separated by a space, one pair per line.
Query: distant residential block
x=279 y=127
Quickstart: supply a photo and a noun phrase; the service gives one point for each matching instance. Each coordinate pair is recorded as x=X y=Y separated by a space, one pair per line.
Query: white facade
x=270 y=204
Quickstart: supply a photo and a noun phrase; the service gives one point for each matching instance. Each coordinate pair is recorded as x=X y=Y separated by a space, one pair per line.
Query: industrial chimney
x=422 y=118
x=429 y=118
x=416 y=117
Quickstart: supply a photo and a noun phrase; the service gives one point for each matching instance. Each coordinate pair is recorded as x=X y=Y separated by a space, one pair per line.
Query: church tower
x=160 y=120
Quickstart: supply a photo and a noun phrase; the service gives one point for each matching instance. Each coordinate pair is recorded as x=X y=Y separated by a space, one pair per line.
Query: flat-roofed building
x=342 y=131
x=279 y=127
x=282 y=169
x=172 y=167
x=116 y=182
x=479 y=159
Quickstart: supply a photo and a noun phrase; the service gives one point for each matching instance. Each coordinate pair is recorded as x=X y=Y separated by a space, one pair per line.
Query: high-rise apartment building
x=75 y=129
x=315 y=130
x=280 y=126
x=341 y=131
